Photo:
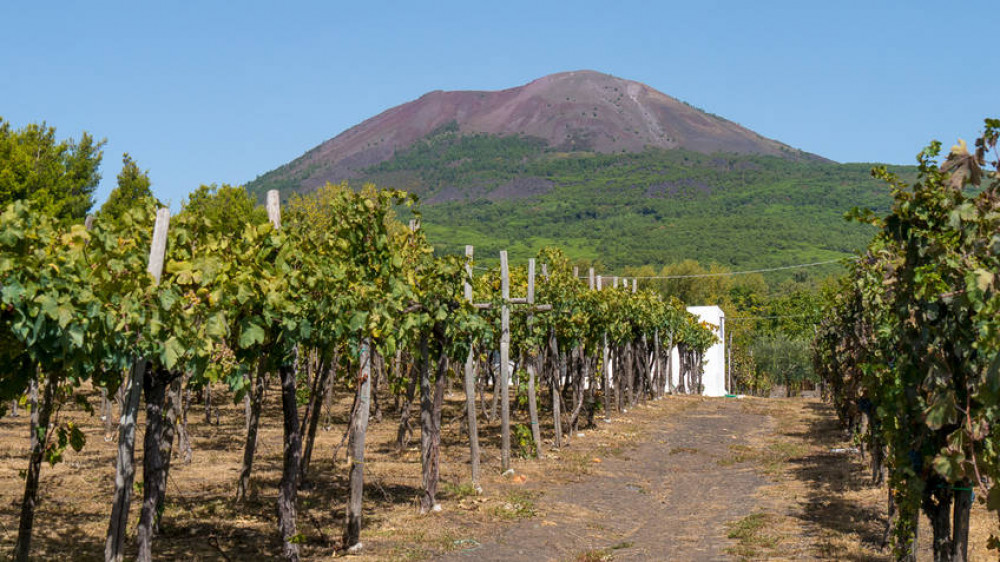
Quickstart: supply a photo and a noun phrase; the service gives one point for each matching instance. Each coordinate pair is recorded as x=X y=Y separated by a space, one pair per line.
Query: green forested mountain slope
x=627 y=209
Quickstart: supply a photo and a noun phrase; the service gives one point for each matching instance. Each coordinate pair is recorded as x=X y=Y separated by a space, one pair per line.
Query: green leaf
x=216 y=326
x=75 y=333
x=172 y=351
x=49 y=306
x=942 y=411
x=251 y=334
x=949 y=466
x=77 y=439
x=64 y=313
x=357 y=321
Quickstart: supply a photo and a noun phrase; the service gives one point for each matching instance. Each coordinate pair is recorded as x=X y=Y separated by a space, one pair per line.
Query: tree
x=783 y=359
x=58 y=177
x=133 y=187
x=227 y=208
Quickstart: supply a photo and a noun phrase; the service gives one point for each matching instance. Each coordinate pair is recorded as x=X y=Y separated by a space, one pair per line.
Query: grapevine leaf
x=216 y=326
x=75 y=333
x=77 y=439
x=172 y=351
x=949 y=466
x=942 y=411
x=250 y=335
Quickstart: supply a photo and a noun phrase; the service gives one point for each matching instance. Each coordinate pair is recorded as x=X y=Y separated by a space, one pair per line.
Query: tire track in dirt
x=669 y=498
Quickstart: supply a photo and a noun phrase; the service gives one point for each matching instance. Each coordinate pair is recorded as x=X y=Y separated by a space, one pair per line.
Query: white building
x=714 y=360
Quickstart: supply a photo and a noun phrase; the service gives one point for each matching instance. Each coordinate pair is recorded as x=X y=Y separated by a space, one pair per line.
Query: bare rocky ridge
x=572 y=111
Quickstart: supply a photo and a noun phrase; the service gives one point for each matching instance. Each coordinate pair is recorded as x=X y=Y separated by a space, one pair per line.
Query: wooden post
x=607 y=378
x=670 y=363
x=504 y=363
x=288 y=487
x=657 y=366
x=634 y=281
x=536 y=434
x=356 y=447
x=590 y=279
x=114 y=545
x=558 y=371
x=729 y=364
x=274 y=208
x=470 y=382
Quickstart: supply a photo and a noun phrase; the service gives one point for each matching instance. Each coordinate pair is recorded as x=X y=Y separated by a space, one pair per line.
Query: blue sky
x=203 y=92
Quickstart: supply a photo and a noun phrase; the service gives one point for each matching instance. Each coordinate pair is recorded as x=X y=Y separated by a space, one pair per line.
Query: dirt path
x=683 y=478
x=669 y=498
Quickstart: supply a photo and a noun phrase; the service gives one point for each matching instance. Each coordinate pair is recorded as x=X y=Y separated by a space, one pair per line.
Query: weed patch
x=751 y=536
x=517 y=504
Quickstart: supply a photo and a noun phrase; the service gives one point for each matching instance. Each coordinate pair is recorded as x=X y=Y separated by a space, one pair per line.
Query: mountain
x=570 y=111
x=610 y=170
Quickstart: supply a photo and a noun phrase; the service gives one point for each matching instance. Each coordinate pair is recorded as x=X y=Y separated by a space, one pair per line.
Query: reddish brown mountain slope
x=583 y=110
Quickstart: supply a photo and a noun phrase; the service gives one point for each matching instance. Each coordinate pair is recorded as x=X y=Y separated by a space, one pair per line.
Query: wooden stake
x=274 y=208
x=356 y=447
x=532 y=363
x=470 y=382
x=504 y=363
x=114 y=545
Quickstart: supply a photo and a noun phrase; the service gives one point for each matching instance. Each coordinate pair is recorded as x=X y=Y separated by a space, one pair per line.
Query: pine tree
x=133 y=186
x=57 y=177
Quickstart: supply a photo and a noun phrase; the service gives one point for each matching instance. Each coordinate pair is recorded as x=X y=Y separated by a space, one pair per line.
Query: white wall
x=714 y=360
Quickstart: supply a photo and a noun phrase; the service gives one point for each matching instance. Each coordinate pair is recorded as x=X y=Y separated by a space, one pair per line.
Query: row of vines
x=910 y=346
x=329 y=289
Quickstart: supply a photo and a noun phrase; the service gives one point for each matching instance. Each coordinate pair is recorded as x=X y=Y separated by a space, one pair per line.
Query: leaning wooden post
x=470 y=382
x=504 y=363
x=356 y=448
x=536 y=434
x=114 y=545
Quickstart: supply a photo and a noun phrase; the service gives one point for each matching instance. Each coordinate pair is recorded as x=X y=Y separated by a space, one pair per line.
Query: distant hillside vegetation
x=629 y=209
x=609 y=169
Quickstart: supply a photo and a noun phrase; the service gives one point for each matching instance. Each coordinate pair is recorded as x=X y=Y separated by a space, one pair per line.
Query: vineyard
x=312 y=338
x=327 y=295
x=910 y=346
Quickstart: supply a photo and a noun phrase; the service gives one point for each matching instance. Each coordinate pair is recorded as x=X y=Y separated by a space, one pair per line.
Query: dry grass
x=821 y=504
x=818 y=505
x=201 y=521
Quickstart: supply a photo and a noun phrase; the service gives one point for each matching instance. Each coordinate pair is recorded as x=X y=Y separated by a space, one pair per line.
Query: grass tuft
x=750 y=535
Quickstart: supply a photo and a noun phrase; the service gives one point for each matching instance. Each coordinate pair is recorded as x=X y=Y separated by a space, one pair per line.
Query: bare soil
x=683 y=478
